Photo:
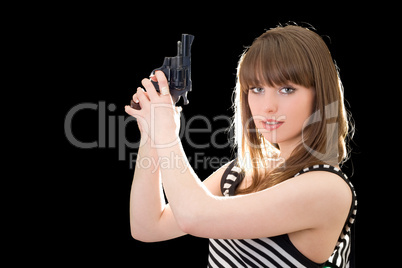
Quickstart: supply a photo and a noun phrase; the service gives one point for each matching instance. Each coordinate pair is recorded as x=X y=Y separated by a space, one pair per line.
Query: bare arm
x=151 y=219
x=148 y=211
x=313 y=201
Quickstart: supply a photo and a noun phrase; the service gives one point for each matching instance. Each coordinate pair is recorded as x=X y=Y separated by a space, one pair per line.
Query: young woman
x=283 y=202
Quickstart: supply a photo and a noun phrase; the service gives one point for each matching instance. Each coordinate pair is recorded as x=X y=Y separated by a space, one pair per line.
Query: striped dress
x=278 y=251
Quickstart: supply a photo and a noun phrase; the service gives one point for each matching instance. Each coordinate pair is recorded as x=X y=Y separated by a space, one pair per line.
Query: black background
x=100 y=54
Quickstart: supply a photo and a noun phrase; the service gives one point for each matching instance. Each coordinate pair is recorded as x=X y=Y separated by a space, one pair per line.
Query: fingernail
x=152 y=77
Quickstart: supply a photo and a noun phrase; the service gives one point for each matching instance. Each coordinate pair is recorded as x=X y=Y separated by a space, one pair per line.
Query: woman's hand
x=158 y=118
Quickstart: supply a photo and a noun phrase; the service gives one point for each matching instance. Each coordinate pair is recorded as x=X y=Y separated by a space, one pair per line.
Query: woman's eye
x=257 y=90
x=286 y=90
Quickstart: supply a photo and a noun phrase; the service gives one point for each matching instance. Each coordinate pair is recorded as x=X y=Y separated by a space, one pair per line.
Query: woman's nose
x=271 y=103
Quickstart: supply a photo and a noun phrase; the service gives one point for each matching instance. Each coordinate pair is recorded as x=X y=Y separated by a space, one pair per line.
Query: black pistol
x=177 y=71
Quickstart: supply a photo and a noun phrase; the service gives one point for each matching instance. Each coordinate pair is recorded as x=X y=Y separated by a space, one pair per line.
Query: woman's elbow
x=189 y=222
x=184 y=224
x=142 y=233
x=143 y=236
x=194 y=219
x=139 y=235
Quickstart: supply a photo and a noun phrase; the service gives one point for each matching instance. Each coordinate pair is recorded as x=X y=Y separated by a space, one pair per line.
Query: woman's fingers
x=135 y=98
x=131 y=111
x=153 y=77
x=163 y=83
x=142 y=96
x=160 y=78
x=153 y=95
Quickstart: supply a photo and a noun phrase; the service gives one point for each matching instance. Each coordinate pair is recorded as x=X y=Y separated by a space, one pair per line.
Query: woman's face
x=279 y=112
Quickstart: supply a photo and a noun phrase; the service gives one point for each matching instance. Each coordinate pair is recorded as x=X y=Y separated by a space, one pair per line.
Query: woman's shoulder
x=329 y=184
x=329 y=176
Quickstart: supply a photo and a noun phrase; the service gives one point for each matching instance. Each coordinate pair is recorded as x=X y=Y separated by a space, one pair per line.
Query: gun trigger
x=185 y=100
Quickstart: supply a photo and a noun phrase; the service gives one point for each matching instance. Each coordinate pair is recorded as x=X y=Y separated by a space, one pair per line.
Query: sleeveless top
x=278 y=251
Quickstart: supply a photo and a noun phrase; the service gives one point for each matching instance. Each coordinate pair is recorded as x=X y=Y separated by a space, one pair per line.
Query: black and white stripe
x=264 y=252
x=275 y=251
x=231 y=179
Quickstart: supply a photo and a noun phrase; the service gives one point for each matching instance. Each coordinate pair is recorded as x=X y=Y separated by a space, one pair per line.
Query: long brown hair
x=300 y=56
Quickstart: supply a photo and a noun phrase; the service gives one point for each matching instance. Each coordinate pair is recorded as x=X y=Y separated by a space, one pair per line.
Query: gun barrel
x=187 y=40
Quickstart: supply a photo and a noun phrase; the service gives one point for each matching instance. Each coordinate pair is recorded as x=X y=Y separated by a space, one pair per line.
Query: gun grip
x=135 y=105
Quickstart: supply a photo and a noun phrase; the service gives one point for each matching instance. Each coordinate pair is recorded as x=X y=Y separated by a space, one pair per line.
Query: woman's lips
x=271 y=124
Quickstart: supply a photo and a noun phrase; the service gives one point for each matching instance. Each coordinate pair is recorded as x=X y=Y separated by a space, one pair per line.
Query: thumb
x=179 y=109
